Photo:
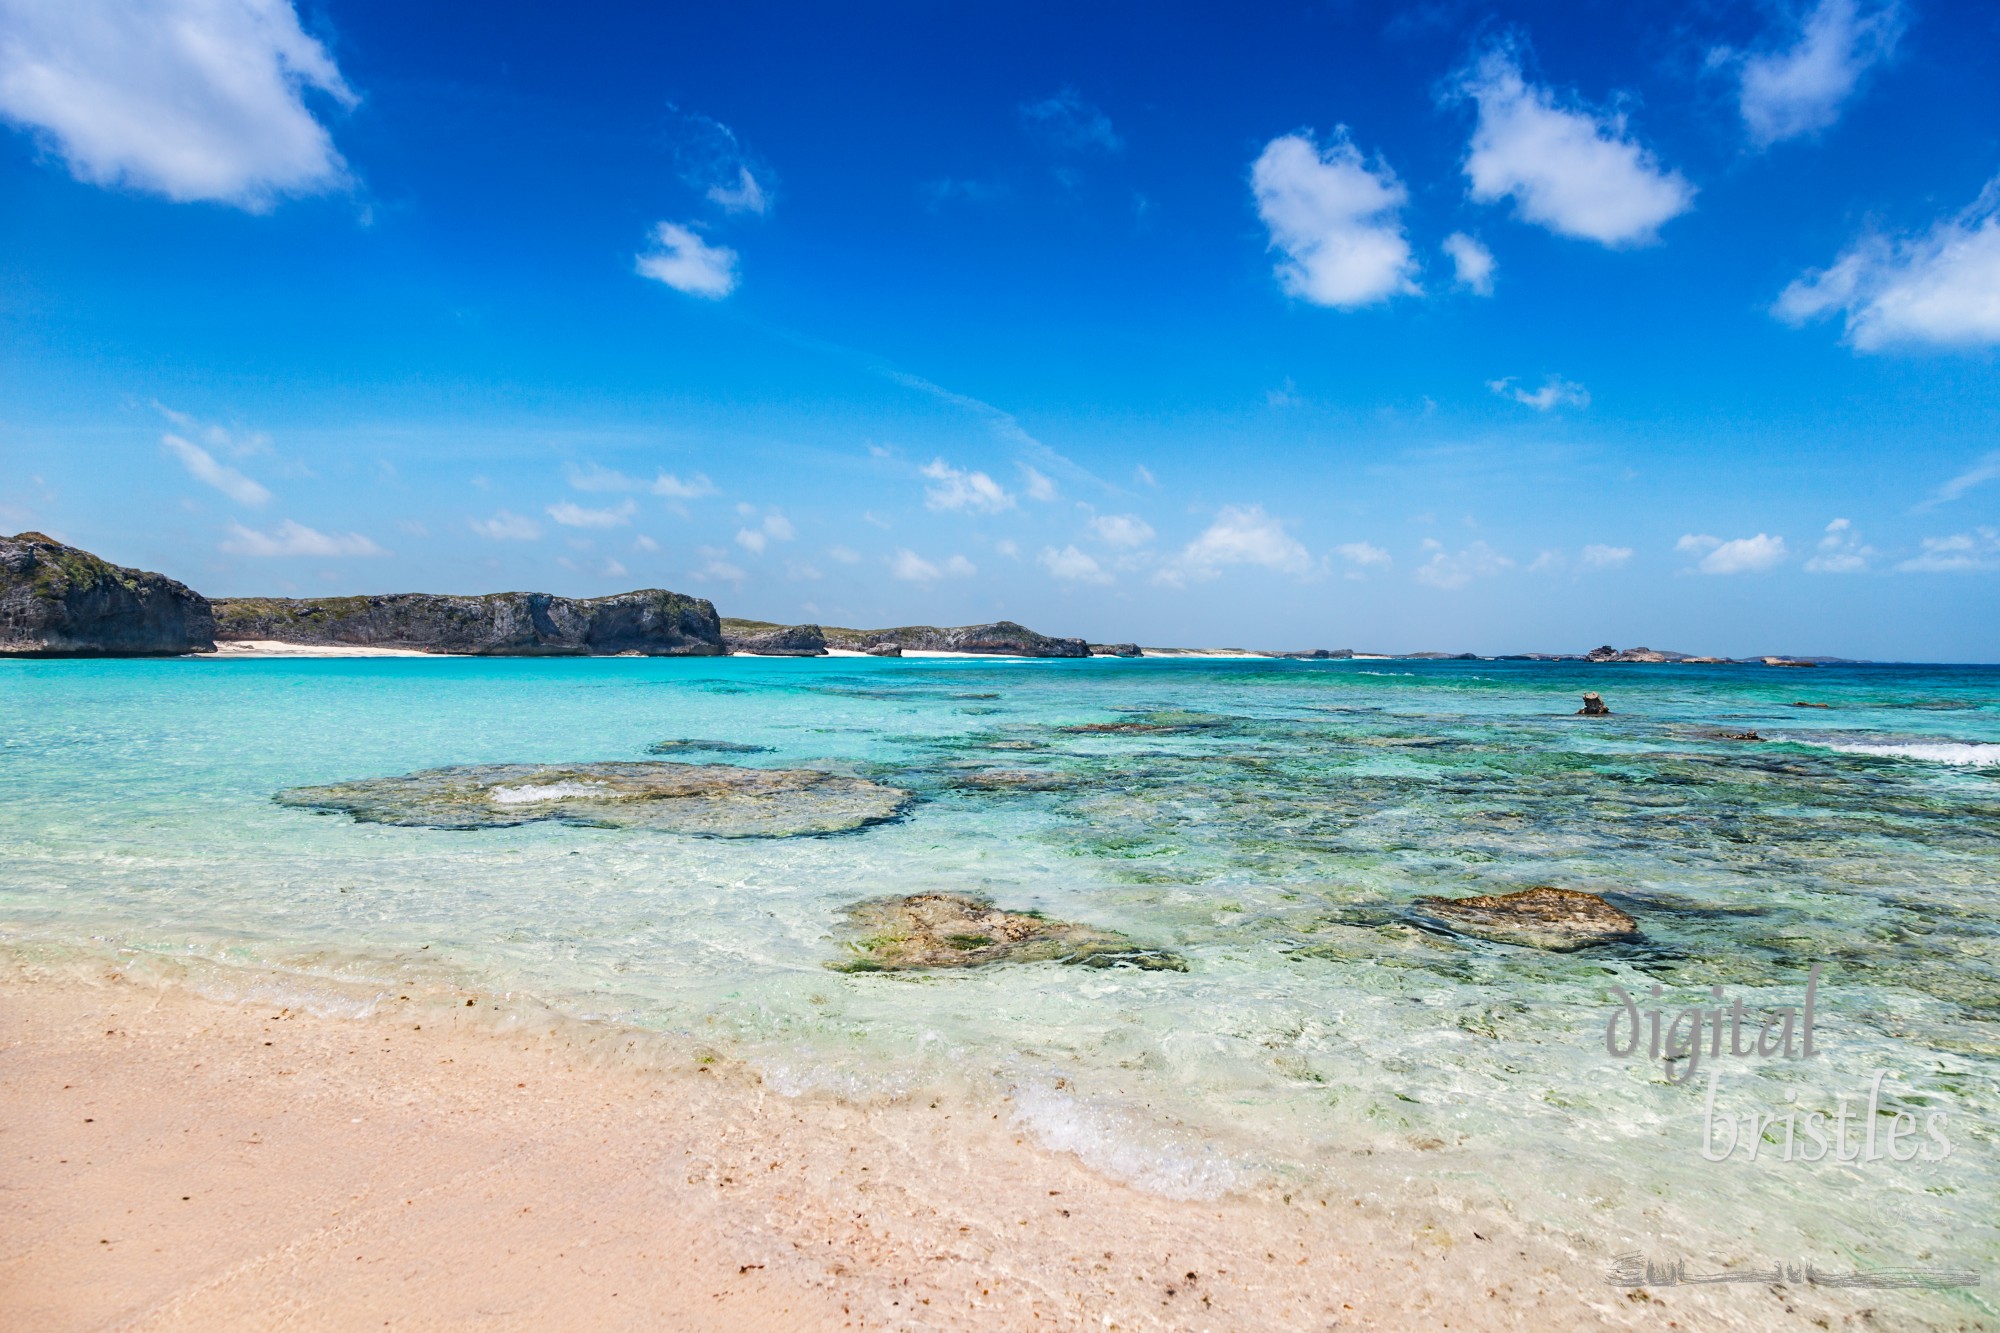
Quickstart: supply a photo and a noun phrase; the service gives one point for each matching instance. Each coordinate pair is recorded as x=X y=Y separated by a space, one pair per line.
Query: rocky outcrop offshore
x=753 y=636
x=705 y=800
x=1539 y=918
x=649 y=623
x=938 y=930
x=58 y=601
x=1115 y=650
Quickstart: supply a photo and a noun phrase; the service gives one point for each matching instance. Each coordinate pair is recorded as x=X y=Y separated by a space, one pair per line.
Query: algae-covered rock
x=1017 y=779
x=711 y=800
x=932 y=930
x=1162 y=722
x=1540 y=918
x=58 y=601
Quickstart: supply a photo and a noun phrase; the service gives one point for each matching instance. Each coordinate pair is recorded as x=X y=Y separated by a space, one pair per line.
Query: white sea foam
x=548 y=791
x=1103 y=1140
x=1968 y=754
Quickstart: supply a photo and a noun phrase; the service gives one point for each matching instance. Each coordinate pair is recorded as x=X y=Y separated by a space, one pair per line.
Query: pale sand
x=169 y=1161
x=235 y=648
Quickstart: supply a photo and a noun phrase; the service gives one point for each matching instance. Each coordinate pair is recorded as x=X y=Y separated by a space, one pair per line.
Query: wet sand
x=171 y=1161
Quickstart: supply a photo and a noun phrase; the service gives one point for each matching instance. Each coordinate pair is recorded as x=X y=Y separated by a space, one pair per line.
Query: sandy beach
x=178 y=1162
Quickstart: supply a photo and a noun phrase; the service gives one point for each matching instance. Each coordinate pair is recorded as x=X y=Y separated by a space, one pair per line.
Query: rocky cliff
x=765 y=640
x=57 y=601
x=650 y=623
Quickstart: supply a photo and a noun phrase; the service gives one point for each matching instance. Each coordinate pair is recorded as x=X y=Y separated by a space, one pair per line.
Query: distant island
x=59 y=601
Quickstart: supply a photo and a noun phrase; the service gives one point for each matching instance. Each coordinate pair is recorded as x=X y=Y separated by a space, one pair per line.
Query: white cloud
x=644 y=543
x=717 y=570
x=1008 y=547
x=191 y=99
x=1798 y=90
x=1068 y=121
x=1472 y=261
x=1548 y=562
x=1144 y=475
x=592 y=477
x=1960 y=553
x=506 y=527
x=777 y=527
x=913 y=568
x=1573 y=172
x=745 y=196
x=1364 y=555
x=958 y=490
x=1840 y=551
x=673 y=487
x=846 y=555
x=689 y=264
x=1038 y=486
x=1072 y=565
x=614 y=570
x=1240 y=535
x=1555 y=392
x=576 y=516
x=1743 y=555
x=1941 y=288
x=292 y=538
x=201 y=465
x=750 y=539
x=1444 y=570
x=1605 y=557
x=1985 y=470
x=799 y=569
x=1335 y=218
x=240 y=444
x=1122 y=530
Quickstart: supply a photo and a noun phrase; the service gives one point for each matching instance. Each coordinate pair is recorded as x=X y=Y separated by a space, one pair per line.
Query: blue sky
x=1440 y=326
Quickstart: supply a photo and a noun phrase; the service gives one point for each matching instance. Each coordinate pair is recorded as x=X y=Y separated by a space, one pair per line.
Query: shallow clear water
x=1275 y=832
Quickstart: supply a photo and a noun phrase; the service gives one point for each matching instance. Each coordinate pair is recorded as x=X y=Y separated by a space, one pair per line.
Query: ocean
x=1271 y=823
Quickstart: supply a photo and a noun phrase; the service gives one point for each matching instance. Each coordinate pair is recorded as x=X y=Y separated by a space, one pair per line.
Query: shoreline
x=179 y=1161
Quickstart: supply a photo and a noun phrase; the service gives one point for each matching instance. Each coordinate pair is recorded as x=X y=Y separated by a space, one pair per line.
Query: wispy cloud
x=190 y=99
x=293 y=538
x=1985 y=470
x=1472 y=262
x=1335 y=218
x=203 y=467
x=1455 y=569
x=572 y=515
x=689 y=264
x=1566 y=168
x=1596 y=557
x=1555 y=392
x=1239 y=535
x=1068 y=122
x=1121 y=530
x=1840 y=551
x=1961 y=553
x=1742 y=555
x=1037 y=486
x=1072 y=566
x=744 y=196
x=910 y=567
x=507 y=527
x=1940 y=289
x=954 y=490
x=1800 y=89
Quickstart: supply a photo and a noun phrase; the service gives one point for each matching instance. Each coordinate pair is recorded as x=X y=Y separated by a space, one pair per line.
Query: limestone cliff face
x=773 y=641
x=58 y=601
x=650 y=622
x=1002 y=637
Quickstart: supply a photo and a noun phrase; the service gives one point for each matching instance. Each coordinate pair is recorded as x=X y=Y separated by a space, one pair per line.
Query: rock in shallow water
x=708 y=747
x=1541 y=918
x=929 y=930
x=712 y=800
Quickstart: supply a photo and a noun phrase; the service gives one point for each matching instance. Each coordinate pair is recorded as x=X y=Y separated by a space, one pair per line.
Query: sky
x=1395 y=327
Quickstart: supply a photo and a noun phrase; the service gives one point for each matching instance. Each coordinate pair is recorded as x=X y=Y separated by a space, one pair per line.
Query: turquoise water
x=1323 y=1039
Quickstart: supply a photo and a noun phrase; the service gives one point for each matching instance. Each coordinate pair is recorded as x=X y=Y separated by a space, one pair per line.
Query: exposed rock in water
x=705 y=747
x=650 y=622
x=59 y=601
x=884 y=650
x=714 y=800
x=1540 y=918
x=930 y=930
x=776 y=641
x=1321 y=654
x=1165 y=722
x=1740 y=736
x=1654 y=655
x=1800 y=703
x=1114 y=650
x=1593 y=706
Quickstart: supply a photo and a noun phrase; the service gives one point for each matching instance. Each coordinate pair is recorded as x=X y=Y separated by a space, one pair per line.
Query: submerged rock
x=705 y=747
x=1593 y=706
x=930 y=930
x=58 y=601
x=1017 y=779
x=1540 y=918
x=711 y=800
x=650 y=622
x=1164 y=722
